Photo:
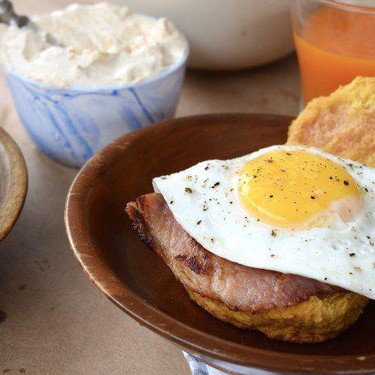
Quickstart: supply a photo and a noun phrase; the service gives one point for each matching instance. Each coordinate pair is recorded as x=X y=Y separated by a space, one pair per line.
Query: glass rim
x=347 y=7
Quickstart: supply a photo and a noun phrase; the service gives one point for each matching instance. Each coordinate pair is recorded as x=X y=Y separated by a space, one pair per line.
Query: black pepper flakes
x=352 y=254
x=215 y=185
x=198 y=222
x=171 y=202
x=346 y=183
x=273 y=233
x=188 y=190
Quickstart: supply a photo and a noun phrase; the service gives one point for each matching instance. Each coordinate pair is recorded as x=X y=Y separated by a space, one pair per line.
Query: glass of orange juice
x=335 y=42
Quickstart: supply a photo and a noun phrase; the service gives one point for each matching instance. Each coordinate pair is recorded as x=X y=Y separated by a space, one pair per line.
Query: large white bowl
x=226 y=34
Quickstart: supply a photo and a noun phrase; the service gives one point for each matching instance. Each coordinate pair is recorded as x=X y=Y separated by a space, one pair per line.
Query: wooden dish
x=138 y=282
x=13 y=183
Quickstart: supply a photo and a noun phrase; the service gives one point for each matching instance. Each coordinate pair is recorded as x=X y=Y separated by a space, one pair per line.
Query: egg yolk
x=297 y=189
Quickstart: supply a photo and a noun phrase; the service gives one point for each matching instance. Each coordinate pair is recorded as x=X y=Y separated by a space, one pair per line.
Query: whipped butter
x=102 y=45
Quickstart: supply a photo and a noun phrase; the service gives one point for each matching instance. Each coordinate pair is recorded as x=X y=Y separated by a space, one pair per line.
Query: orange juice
x=334 y=47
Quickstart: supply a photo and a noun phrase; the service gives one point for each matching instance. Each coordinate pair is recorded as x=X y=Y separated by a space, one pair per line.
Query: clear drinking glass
x=335 y=42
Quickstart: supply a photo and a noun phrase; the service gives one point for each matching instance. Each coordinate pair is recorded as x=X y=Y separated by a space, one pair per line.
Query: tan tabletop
x=52 y=319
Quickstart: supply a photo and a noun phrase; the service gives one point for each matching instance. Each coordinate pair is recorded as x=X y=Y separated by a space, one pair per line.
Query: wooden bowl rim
x=185 y=336
x=15 y=193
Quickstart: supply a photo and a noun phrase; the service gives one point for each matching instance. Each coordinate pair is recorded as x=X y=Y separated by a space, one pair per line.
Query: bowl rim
x=337 y=4
x=185 y=336
x=16 y=190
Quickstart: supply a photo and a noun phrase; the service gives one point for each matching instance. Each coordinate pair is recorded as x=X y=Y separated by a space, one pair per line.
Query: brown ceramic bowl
x=138 y=282
x=13 y=183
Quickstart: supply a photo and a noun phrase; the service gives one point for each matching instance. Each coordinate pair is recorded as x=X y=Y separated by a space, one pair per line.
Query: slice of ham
x=238 y=287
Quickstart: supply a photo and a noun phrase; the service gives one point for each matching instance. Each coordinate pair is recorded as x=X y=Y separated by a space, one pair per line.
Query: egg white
x=203 y=200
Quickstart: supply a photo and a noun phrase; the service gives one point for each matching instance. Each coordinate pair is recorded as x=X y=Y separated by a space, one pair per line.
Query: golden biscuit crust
x=342 y=123
x=316 y=320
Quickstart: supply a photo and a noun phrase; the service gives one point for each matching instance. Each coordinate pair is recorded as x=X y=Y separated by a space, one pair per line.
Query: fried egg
x=289 y=209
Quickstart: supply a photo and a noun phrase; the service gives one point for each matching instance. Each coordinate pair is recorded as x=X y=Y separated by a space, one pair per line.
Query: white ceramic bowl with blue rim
x=71 y=124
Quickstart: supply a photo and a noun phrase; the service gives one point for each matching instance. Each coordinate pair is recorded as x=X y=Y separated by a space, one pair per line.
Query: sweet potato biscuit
x=342 y=123
x=318 y=319
x=284 y=307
